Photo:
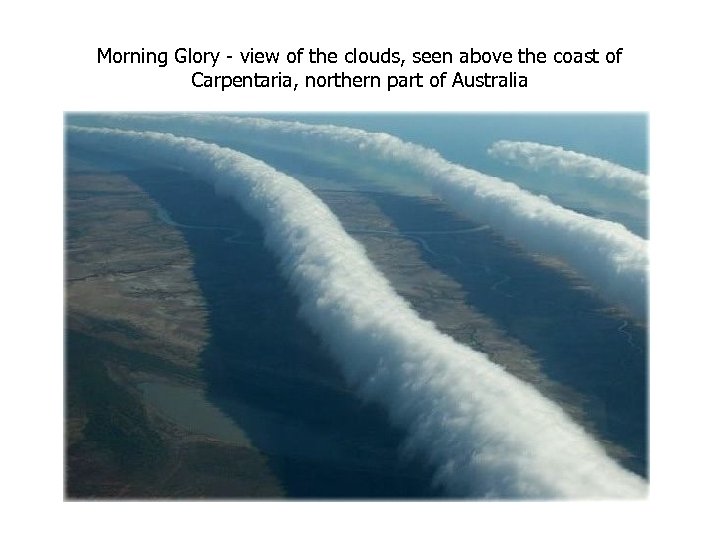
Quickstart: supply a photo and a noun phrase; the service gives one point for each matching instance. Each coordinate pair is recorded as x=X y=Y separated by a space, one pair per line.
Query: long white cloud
x=606 y=253
x=487 y=433
x=535 y=156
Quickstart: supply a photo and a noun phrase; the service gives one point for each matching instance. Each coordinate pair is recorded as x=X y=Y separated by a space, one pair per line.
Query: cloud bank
x=487 y=433
x=535 y=156
x=607 y=254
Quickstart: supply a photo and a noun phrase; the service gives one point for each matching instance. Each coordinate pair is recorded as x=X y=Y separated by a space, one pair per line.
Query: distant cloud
x=535 y=156
x=487 y=433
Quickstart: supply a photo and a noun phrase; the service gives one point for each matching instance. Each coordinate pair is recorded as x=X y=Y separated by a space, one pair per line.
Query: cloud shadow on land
x=579 y=341
x=269 y=372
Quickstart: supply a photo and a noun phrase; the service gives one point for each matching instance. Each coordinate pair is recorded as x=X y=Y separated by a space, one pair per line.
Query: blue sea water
x=465 y=138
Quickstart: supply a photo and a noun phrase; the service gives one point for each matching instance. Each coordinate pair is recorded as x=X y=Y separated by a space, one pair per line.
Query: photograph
x=356 y=306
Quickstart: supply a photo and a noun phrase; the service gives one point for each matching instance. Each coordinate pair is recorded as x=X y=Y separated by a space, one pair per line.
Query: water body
x=464 y=139
x=187 y=407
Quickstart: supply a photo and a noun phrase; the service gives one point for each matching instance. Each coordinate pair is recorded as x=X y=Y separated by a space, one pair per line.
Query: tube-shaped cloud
x=487 y=433
x=535 y=156
x=606 y=253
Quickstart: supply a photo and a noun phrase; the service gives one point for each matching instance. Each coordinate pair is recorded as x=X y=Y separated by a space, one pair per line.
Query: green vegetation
x=117 y=441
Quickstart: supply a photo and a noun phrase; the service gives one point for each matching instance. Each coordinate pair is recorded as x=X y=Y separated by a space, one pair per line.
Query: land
x=476 y=287
x=136 y=327
x=175 y=308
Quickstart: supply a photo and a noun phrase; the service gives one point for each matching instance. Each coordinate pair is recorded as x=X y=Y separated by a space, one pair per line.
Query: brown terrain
x=137 y=422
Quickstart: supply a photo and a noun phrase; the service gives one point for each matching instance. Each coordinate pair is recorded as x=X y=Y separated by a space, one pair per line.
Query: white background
x=668 y=69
